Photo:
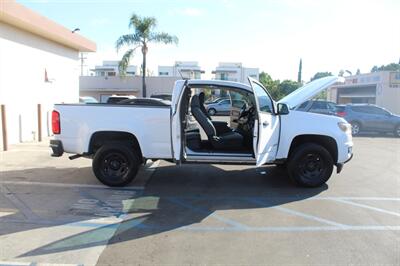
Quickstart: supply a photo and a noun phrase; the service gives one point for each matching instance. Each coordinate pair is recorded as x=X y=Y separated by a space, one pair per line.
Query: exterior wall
x=24 y=60
x=96 y=86
x=388 y=94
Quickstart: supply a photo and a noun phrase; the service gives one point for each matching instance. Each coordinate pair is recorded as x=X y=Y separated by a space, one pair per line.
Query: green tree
x=319 y=75
x=288 y=86
x=389 y=67
x=270 y=84
x=141 y=36
x=278 y=89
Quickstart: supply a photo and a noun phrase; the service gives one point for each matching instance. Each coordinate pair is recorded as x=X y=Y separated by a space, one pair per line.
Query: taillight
x=55 y=122
x=341 y=114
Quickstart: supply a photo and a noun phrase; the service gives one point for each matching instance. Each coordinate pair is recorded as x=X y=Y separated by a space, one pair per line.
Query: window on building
x=111 y=74
x=163 y=73
x=130 y=73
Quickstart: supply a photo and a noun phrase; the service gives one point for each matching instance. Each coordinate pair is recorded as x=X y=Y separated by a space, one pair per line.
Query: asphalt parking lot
x=54 y=211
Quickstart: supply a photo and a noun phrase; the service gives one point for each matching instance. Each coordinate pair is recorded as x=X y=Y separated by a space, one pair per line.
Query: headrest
x=201 y=97
x=195 y=101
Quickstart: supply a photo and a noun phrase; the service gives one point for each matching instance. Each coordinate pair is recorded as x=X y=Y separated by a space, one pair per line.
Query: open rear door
x=266 y=127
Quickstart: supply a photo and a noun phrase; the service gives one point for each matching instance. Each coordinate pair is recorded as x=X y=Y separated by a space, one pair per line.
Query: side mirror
x=283 y=109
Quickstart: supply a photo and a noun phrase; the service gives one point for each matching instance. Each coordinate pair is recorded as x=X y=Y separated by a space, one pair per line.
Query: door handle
x=265 y=124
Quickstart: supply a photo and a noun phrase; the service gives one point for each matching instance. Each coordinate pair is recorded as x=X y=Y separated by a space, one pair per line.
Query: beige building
x=52 y=53
x=381 y=88
x=103 y=87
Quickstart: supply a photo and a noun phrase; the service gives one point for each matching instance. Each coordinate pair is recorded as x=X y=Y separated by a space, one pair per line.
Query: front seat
x=226 y=141
x=220 y=126
x=203 y=109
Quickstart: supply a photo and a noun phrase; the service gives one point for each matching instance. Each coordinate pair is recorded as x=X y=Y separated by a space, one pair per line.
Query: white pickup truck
x=121 y=137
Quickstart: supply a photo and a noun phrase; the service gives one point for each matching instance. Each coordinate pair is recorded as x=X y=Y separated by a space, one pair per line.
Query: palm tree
x=142 y=35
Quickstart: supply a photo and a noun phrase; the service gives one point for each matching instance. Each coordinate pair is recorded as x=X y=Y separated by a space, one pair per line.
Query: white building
x=110 y=69
x=381 y=88
x=188 y=69
x=51 y=53
x=234 y=72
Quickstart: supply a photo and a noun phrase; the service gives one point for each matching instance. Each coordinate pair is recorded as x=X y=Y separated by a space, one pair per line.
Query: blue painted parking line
x=208 y=213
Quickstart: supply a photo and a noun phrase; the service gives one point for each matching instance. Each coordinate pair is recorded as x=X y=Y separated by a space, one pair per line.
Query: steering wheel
x=243 y=111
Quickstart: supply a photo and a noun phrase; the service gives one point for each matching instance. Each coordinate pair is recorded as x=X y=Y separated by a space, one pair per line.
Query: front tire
x=115 y=164
x=310 y=165
x=355 y=128
x=212 y=111
x=397 y=131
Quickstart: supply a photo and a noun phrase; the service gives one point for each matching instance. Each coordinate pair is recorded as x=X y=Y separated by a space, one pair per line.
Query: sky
x=271 y=35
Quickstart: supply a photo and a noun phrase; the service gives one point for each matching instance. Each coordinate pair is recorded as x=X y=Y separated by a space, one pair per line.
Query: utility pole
x=82 y=61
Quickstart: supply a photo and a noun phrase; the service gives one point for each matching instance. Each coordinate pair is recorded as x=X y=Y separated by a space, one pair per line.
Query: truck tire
x=115 y=164
x=310 y=165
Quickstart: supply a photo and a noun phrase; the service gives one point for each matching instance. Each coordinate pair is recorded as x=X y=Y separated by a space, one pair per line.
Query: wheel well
x=102 y=137
x=327 y=142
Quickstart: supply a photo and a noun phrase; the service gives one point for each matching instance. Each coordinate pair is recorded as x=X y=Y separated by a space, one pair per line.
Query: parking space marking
x=18 y=203
x=209 y=213
x=67 y=185
x=367 y=207
x=111 y=206
x=297 y=213
x=294 y=228
x=20 y=263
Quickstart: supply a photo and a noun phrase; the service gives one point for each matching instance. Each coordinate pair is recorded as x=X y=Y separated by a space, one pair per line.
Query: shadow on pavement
x=180 y=198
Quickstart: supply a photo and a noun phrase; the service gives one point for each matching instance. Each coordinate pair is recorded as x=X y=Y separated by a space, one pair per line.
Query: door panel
x=266 y=128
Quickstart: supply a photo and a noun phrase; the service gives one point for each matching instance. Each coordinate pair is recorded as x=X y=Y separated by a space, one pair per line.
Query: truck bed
x=149 y=124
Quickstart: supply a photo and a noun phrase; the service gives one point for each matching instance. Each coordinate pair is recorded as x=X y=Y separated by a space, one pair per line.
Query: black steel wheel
x=115 y=164
x=310 y=165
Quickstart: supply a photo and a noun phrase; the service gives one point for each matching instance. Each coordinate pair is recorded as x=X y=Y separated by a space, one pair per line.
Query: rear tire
x=115 y=164
x=310 y=165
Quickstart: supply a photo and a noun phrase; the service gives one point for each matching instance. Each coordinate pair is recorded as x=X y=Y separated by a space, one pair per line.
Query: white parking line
x=308 y=216
x=144 y=175
x=367 y=207
x=48 y=184
x=17 y=263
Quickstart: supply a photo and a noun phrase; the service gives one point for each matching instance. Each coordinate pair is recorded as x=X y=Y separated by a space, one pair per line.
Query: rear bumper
x=57 y=148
